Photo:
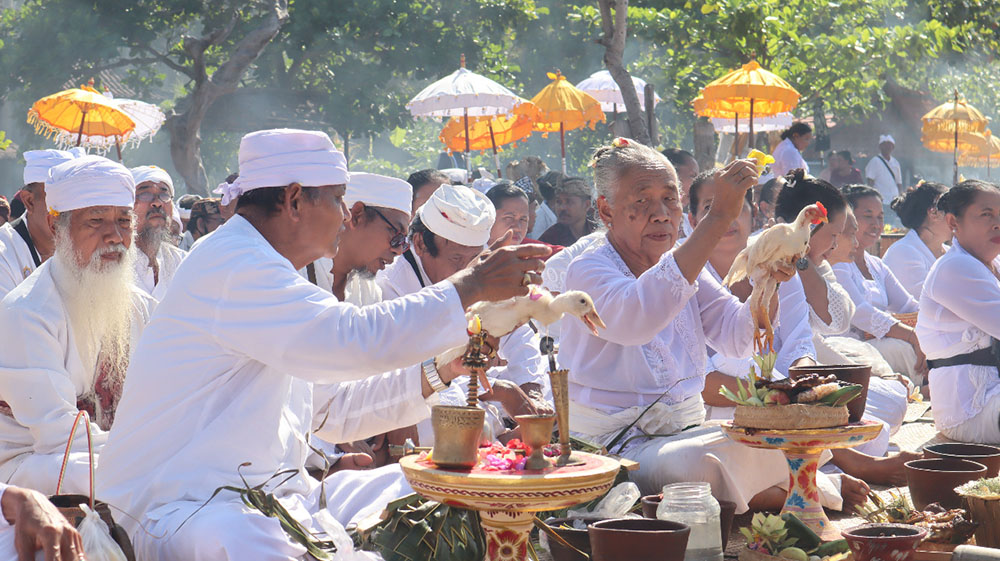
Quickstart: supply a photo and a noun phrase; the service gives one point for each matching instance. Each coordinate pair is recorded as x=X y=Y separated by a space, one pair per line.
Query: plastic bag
x=97 y=541
x=338 y=535
x=616 y=504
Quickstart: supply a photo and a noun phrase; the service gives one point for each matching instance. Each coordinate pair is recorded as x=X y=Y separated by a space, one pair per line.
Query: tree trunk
x=185 y=127
x=615 y=30
x=704 y=143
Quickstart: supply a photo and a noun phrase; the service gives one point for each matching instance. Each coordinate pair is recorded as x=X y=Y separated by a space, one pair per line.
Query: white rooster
x=500 y=318
x=781 y=243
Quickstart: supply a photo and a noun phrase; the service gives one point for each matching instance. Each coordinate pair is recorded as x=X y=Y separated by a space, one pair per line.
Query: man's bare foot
x=772 y=499
x=352 y=461
x=853 y=491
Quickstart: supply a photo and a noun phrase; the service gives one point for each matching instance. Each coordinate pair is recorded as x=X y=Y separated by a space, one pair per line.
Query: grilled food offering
x=945 y=527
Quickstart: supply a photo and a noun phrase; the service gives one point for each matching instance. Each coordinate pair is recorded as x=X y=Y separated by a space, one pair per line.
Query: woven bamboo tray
x=790 y=417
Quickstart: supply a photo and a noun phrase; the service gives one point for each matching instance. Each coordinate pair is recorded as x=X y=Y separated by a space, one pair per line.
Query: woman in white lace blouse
x=877 y=293
x=662 y=309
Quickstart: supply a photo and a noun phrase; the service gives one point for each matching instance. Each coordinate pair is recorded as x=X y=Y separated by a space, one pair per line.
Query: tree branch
x=615 y=30
x=162 y=57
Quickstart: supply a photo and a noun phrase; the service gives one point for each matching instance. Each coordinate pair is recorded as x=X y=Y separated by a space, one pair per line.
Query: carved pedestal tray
x=802 y=449
x=507 y=500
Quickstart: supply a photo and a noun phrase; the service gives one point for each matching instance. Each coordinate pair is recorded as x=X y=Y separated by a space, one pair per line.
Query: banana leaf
x=419 y=529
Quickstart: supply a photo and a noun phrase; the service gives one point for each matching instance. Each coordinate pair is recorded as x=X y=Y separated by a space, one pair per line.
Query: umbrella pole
x=468 y=163
x=79 y=136
x=614 y=120
x=562 y=146
x=118 y=146
x=955 y=178
x=493 y=141
x=750 y=142
x=736 y=139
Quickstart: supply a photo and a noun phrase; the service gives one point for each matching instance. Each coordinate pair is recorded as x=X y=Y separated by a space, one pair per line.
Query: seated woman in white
x=661 y=310
x=876 y=292
x=959 y=321
x=911 y=257
x=793 y=333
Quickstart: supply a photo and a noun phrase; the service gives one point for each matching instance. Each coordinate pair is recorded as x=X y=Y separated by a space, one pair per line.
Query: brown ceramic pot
x=651 y=502
x=934 y=480
x=630 y=539
x=858 y=374
x=876 y=542
x=989 y=456
x=576 y=537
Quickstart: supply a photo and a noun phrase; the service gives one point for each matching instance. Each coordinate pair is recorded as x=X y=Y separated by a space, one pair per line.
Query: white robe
x=544 y=218
x=520 y=348
x=910 y=260
x=42 y=377
x=16 y=262
x=658 y=327
x=223 y=376
x=168 y=258
x=959 y=312
x=786 y=158
x=554 y=275
x=876 y=300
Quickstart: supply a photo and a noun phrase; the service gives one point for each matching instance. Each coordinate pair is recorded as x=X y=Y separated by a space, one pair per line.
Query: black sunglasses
x=398 y=241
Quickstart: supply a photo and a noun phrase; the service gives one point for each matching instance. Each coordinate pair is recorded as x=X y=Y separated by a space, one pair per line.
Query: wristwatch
x=802 y=264
x=430 y=372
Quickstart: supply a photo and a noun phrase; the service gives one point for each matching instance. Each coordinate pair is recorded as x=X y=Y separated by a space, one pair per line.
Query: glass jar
x=694 y=505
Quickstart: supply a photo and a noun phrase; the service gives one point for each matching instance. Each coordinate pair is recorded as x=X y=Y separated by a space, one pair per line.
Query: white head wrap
x=379 y=190
x=156 y=174
x=457 y=175
x=89 y=181
x=887 y=138
x=483 y=184
x=459 y=214
x=175 y=215
x=39 y=162
x=280 y=157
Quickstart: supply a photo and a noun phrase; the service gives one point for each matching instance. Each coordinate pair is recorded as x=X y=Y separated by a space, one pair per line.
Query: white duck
x=500 y=318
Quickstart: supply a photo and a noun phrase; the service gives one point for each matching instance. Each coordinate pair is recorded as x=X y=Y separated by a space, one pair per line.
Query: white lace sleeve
x=841 y=307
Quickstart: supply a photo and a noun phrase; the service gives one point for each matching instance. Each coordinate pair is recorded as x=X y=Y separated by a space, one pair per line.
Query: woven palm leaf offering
x=808 y=402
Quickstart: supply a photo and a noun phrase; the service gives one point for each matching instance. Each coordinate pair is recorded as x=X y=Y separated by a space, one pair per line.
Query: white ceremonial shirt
x=786 y=158
x=875 y=300
x=910 y=260
x=16 y=261
x=168 y=258
x=839 y=305
x=544 y=218
x=223 y=374
x=187 y=240
x=520 y=348
x=42 y=374
x=323 y=270
x=959 y=312
x=658 y=329
x=793 y=338
x=886 y=182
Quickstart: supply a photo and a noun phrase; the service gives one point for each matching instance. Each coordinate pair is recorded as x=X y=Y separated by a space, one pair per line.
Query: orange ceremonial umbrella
x=79 y=111
x=748 y=91
x=490 y=133
x=953 y=119
x=563 y=107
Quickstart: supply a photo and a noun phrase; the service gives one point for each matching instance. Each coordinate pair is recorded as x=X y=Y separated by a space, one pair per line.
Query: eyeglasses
x=149 y=196
x=398 y=241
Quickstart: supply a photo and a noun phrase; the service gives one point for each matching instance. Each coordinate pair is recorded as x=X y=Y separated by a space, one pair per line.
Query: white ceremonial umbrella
x=148 y=119
x=778 y=122
x=463 y=93
x=604 y=89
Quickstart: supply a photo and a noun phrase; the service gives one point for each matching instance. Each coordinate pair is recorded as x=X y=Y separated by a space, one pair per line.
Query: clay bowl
x=989 y=456
x=877 y=542
x=934 y=480
x=577 y=537
x=850 y=373
x=630 y=539
x=651 y=502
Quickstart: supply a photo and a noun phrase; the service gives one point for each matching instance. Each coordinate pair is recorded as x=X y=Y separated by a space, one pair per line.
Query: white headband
x=89 y=181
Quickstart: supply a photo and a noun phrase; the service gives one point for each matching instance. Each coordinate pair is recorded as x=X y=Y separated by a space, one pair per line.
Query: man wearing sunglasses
x=374 y=236
x=157 y=258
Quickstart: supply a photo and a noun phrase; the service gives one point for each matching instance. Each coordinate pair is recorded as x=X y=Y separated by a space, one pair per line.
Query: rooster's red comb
x=821 y=207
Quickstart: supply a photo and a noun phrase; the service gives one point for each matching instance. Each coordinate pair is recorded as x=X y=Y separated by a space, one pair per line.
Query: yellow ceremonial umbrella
x=490 y=132
x=748 y=91
x=79 y=111
x=984 y=156
x=954 y=118
x=563 y=107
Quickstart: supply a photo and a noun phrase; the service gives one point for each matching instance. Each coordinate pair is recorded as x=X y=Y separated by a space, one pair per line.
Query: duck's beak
x=593 y=321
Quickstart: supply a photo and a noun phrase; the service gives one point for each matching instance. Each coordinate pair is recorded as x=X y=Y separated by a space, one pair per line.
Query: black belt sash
x=21 y=227
x=990 y=356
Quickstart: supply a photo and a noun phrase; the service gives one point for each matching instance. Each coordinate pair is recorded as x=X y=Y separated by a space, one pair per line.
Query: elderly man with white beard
x=67 y=329
x=220 y=386
x=158 y=258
